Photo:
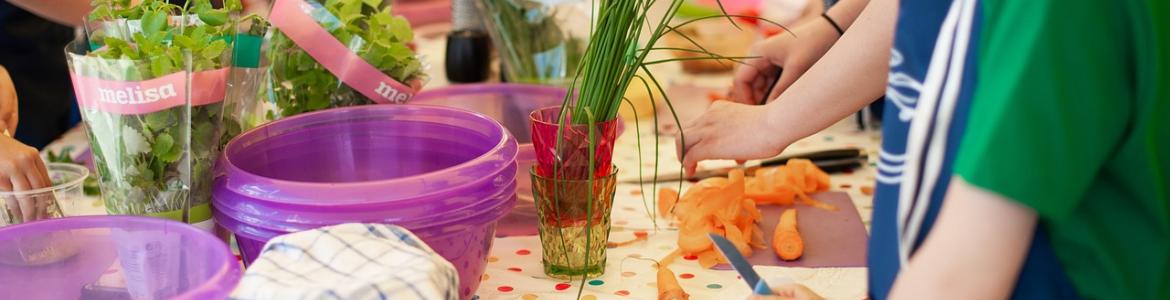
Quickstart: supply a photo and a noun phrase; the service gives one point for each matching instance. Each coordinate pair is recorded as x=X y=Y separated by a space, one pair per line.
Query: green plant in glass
x=157 y=163
x=621 y=39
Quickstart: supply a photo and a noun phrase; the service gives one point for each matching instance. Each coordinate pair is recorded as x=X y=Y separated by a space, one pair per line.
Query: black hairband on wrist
x=834 y=23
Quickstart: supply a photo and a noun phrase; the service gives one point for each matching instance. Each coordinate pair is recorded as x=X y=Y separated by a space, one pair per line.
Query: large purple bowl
x=114 y=257
x=430 y=169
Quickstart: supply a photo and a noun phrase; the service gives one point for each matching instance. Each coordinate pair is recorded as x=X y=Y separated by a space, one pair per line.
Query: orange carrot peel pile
x=727 y=207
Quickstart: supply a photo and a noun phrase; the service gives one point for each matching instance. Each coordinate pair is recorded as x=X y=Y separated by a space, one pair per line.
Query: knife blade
x=831 y=161
x=740 y=264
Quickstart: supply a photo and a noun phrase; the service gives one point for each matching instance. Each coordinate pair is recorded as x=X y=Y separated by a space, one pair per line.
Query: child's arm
x=977 y=232
x=21 y=167
x=796 y=52
x=851 y=75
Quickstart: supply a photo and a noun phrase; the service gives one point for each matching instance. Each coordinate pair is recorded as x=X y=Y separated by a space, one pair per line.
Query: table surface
x=514 y=270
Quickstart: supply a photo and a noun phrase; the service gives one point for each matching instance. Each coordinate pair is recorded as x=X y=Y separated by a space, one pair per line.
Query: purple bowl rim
x=500 y=146
x=482 y=204
x=223 y=279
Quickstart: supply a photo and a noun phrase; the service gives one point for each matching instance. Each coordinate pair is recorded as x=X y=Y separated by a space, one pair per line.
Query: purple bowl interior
x=365 y=155
x=86 y=257
x=363 y=150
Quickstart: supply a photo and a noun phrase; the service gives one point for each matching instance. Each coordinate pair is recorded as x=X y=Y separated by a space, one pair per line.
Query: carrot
x=709 y=258
x=636 y=239
x=786 y=241
x=668 y=287
x=667 y=197
x=814 y=203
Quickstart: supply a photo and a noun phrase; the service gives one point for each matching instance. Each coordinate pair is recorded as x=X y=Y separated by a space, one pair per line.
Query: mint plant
x=298 y=84
x=156 y=163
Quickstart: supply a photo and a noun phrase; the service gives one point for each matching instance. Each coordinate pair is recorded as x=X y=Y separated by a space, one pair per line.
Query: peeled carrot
x=709 y=258
x=668 y=287
x=667 y=197
x=786 y=241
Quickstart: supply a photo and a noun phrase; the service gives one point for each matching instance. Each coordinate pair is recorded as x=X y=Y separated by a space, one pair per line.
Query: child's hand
x=729 y=130
x=791 y=291
x=795 y=52
x=22 y=169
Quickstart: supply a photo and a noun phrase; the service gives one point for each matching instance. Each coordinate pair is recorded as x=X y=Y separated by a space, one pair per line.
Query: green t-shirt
x=1071 y=117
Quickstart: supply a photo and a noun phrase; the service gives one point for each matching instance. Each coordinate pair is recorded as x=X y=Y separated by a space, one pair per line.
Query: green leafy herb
x=156 y=162
x=299 y=84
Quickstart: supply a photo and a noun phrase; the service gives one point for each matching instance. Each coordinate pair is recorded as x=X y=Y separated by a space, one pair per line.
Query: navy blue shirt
x=927 y=100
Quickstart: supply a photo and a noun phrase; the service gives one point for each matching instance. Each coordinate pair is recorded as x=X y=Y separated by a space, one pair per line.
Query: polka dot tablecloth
x=514 y=268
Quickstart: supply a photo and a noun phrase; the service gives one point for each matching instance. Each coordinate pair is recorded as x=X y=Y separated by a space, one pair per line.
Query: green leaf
x=153 y=21
x=184 y=41
x=159 y=120
x=133 y=141
x=163 y=143
x=214 y=50
x=213 y=17
x=172 y=155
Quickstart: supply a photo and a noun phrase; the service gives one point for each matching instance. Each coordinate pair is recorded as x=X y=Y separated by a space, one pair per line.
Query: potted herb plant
x=325 y=54
x=150 y=84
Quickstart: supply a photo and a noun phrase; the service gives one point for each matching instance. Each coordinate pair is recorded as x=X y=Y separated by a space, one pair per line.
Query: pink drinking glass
x=570 y=159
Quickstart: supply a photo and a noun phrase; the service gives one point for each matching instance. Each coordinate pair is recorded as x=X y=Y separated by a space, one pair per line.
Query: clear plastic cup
x=61 y=199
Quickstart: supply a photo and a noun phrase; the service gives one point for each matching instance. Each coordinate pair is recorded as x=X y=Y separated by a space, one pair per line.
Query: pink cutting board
x=832 y=239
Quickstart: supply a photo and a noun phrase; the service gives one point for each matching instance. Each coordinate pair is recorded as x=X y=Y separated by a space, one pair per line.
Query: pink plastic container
x=114 y=257
x=446 y=174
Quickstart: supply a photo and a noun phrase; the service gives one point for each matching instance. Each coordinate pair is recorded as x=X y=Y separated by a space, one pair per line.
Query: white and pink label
x=292 y=18
x=147 y=96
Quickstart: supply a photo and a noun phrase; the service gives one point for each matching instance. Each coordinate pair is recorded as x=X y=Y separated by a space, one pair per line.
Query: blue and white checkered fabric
x=349 y=261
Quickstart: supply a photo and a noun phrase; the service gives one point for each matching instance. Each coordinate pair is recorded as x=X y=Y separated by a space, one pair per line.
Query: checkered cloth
x=349 y=261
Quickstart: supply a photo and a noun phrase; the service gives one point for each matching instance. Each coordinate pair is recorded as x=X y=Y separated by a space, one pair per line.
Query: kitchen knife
x=740 y=264
x=830 y=161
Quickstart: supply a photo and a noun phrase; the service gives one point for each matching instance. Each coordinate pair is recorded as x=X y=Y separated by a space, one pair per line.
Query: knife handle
x=834 y=154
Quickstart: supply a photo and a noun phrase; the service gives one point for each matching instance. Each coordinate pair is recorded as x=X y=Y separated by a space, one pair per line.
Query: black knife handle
x=834 y=154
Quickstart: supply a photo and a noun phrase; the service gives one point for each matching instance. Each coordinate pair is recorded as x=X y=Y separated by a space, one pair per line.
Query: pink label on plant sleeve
x=292 y=18
x=147 y=96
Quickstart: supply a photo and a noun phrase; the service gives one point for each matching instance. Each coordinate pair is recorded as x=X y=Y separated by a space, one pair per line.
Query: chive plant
x=613 y=58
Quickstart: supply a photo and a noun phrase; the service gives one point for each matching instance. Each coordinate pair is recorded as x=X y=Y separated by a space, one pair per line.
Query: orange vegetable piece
x=786 y=240
x=737 y=238
x=709 y=258
x=867 y=190
x=692 y=238
x=668 y=287
x=667 y=197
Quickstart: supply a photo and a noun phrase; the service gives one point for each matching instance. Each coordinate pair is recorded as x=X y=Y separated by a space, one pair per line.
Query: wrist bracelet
x=840 y=31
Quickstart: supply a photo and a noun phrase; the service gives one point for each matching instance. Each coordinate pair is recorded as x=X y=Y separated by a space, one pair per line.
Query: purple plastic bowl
x=445 y=173
x=510 y=104
x=78 y=257
x=365 y=163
